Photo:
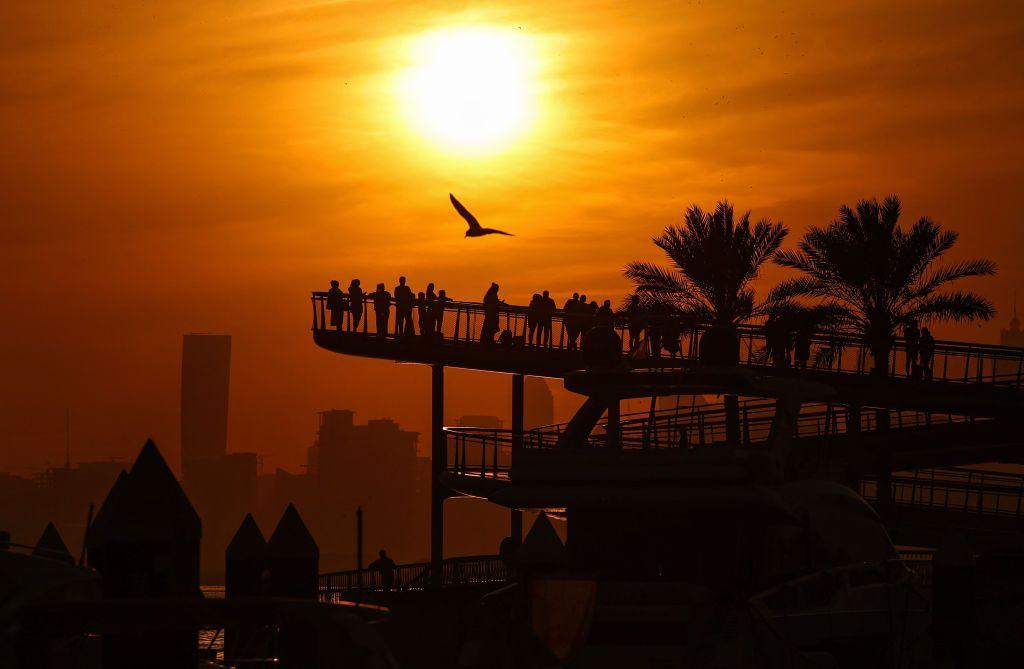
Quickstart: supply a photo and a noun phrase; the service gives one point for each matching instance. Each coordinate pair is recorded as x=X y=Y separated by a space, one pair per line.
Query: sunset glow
x=470 y=89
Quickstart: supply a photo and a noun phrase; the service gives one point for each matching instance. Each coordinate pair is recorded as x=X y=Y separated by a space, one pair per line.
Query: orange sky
x=173 y=167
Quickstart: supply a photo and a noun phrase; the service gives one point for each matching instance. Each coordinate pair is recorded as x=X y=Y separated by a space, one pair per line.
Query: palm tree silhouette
x=882 y=276
x=714 y=260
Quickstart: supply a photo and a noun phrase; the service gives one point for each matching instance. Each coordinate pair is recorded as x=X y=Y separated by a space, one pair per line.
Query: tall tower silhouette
x=205 y=373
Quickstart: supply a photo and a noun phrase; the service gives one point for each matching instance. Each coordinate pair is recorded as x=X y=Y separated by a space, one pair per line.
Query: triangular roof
x=248 y=542
x=291 y=537
x=97 y=532
x=149 y=505
x=51 y=545
x=542 y=545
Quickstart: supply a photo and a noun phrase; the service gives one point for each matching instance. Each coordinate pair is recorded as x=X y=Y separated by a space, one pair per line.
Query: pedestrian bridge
x=841 y=361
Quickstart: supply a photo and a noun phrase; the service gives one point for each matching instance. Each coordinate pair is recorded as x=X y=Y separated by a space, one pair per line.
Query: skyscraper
x=205 y=373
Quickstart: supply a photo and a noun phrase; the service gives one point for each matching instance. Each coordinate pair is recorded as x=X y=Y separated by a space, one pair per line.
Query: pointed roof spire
x=248 y=542
x=542 y=545
x=97 y=532
x=51 y=545
x=291 y=537
x=149 y=504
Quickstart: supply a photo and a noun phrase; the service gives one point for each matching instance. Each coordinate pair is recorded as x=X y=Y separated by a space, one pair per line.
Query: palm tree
x=882 y=276
x=714 y=259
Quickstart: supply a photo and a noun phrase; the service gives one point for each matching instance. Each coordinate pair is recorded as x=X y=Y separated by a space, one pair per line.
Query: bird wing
x=492 y=231
x=464 y=213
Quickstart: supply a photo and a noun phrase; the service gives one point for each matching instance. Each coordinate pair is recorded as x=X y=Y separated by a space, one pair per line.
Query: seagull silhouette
x=474 y=225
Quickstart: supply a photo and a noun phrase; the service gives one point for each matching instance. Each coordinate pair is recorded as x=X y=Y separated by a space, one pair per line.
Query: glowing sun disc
x=470 y=87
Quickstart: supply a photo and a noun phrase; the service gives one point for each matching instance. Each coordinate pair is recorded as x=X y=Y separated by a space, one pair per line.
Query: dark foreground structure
x=823 y=516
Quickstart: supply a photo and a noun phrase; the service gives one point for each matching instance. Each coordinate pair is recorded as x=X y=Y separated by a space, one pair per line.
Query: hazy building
x=538 y=403
x=205 y=376
x=376 y=466
x=1012 y=336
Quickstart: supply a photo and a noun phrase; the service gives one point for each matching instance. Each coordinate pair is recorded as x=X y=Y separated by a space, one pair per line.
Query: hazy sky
x=175 y=167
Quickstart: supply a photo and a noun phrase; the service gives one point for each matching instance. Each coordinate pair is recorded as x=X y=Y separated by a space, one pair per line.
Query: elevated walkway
x=834 y=359
x=367 y=585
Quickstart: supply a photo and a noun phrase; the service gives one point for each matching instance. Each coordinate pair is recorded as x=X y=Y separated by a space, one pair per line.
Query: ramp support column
x=518 y=404
x=438 y=458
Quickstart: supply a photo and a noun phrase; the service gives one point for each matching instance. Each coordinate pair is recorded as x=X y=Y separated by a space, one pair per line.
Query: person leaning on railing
x=381 y=308
x=336 y=304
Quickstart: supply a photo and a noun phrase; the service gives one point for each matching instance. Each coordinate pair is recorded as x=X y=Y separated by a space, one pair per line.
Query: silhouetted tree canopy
x=714 y=258
x=880 y=276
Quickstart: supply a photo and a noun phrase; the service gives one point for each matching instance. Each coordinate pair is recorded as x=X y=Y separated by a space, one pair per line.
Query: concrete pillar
x=732 y=420
x=517 y=527
x=614 y=433
x=883 y=468
x=438 y=457
x=518 y=405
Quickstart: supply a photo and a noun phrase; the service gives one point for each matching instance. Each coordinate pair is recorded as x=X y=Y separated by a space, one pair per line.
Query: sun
x=470 y=89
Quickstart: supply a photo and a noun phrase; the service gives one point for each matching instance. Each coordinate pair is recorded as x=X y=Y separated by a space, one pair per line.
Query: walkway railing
x=461 y=571
x=487 y=453
x=461 y=324
x=961 y=490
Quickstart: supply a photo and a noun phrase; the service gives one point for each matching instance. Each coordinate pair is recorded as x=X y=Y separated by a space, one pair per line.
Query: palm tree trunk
x=880 y=351
x=732 y=420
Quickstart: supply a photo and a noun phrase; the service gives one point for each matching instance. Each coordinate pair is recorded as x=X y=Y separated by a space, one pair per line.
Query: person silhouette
x=604 y=316
x=422 y=307
x=636 y=325
x=912 y=342
x=335 y=304
x=588 y=313
x=355 y=304
x=492 y=304
x=437 y=316
x=547 y=311
x=927 y=352
x=533 y=316
x=404 y=300
x=382 y=309
x=570 y=314
x=801 y=348
x=386 y=567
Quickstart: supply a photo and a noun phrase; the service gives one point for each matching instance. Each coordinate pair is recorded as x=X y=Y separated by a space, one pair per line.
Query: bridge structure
x=909 y=443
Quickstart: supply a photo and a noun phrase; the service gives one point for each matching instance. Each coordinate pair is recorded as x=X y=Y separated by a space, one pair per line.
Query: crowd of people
x=788 y=337
x=428 y=306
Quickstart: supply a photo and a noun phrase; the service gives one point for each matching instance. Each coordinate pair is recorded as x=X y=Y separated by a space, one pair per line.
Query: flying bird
x=474 y=225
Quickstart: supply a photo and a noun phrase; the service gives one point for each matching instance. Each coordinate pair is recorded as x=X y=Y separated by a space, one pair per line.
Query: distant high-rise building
x=205 y=374
x=1013 y=336
x=376 y=466
x=538 y=403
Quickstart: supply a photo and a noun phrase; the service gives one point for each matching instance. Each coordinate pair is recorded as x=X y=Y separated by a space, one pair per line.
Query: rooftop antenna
x=67 y=438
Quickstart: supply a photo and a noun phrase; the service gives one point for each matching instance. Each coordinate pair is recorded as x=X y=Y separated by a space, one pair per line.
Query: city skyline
x=178 y=170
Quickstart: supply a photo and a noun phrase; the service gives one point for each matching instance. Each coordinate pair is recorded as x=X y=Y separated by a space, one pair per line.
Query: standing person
x=912 y=343
x=533 y=316
x=386 y=567
x=636 y=325
x=547 y=312
x=801 y=348
x=431 y=297
x=404 y=300
x=381 y=308
x=569 y=313
x=927 y=351
x=588 y=313
x=604 y=316
x=335 y=304
x=654 y=329
x=355 y=304
x=492 y=304
x=437 y=313
x=426 y=323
